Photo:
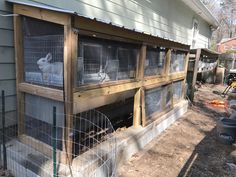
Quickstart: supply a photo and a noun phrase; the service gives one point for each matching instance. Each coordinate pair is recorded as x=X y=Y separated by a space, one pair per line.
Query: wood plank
x=161 y=80
x=186 y=72
x=18 y=35
x=192 y=86
x=143 y=108
x=69 y=48
x=141 y=63
x=108 y=29
x=107 y=90
x=85 y=104
x=112 y=89
x=101 y=85
x=43 y=14
x=137 y=109
x=167 y=62
x=46 y=92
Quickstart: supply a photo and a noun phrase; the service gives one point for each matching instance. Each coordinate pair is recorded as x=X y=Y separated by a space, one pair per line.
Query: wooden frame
x=71 y=95
x=18 y=36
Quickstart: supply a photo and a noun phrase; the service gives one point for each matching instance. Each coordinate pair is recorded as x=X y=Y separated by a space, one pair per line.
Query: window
x=177 y=90
x=155 y=59
x=103 y=60
x=43 y=53
x=157 y=100
x=153 y=101
x=177 y=61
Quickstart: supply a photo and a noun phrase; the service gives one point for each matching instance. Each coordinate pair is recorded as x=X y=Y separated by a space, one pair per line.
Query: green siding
x=7 y=55
x=4 y=6
x=7 y=63
x=170 y=19
x=7 y=37
x=7 y=71
x=6 y=22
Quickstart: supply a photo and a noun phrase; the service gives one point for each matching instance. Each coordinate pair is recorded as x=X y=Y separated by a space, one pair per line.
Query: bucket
x=226 y=130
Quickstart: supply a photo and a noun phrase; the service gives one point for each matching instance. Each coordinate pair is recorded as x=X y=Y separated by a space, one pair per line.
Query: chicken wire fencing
x=43 y=50
x=37 y=145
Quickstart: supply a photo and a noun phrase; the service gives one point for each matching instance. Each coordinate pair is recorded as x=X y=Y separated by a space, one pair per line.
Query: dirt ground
x=189 y=147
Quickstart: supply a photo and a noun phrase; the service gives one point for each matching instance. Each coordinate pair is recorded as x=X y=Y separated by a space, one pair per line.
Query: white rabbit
x=48 y=68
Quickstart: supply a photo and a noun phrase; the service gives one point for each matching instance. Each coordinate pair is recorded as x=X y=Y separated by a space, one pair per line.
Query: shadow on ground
x=209 y=157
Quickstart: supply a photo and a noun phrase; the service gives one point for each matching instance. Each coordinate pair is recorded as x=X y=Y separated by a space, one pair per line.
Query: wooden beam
x=95 y=26
x=85 y=104
x=112 y=89
x=143 y=108
x=46 y=92
x=107 y=90
x=69 y=48
x=42 y=14
x=141 y=63
x=161 y=80
x=18 y=43
x=186 y=72
x=192 y=86
x=167 y=62
x=137 y=109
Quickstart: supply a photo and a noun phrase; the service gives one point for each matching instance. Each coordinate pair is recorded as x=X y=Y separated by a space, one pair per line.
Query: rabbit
x=48 y=68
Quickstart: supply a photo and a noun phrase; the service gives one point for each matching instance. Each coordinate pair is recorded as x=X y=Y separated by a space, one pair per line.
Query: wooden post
x=141 y=63
x=167 y=62
x=195 y=70
x=139 y=76
x=68 y=93
x=185 y=71
x=137 y=109
x=18 y=43
x=143 y=110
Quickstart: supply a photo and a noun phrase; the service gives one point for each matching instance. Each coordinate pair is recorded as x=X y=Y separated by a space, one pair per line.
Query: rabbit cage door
x=43 y=44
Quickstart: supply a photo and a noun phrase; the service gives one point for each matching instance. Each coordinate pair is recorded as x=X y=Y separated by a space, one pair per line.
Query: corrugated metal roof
x=48 y=7
x=199 y=8
x=40 y=5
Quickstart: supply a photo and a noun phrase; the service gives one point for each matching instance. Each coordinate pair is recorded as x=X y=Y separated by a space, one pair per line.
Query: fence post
x=3 y=132
x=54 y=143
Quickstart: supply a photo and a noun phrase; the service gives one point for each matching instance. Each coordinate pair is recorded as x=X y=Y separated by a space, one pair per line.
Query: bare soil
x=187 y=148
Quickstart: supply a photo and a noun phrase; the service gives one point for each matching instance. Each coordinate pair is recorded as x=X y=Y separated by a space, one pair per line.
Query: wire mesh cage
x=43 y=53
x=102 y=60
x=40 y=147
x=154 y=64
x=93 y=135
x=153 y=101
x=177 y=61
x=177 y=90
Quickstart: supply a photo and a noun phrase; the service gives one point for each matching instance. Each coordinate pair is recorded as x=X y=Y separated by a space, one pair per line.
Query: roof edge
x=198 y=7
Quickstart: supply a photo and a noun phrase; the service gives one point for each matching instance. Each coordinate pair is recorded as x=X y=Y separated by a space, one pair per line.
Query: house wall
x=229 y=45
x=7 y=63
x=170 y=19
